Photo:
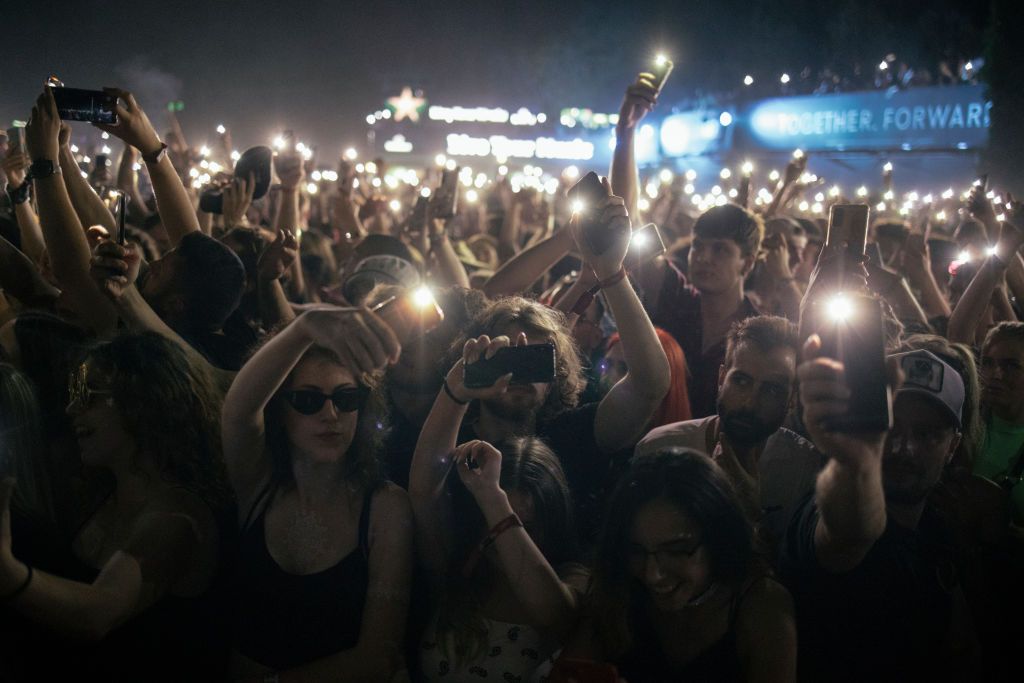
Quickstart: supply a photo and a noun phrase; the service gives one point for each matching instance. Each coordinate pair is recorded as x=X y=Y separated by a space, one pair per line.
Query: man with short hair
x=772 y=467
x=867 y=561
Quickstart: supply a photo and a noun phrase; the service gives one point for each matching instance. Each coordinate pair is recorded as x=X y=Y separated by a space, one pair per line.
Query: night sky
x=319 y=68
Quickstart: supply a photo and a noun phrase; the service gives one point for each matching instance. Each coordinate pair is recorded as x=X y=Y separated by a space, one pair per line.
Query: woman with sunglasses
x=322 y=582
x=138 y=574
x=677 y=592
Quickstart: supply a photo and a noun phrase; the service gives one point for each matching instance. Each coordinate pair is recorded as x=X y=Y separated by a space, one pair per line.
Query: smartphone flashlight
x=577 y=207
x=639 y=240
x=839 y=308
x=798 y=153
x=422 y=297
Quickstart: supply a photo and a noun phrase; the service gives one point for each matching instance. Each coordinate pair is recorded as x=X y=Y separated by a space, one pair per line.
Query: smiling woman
x=678 y=593
x=147 y=557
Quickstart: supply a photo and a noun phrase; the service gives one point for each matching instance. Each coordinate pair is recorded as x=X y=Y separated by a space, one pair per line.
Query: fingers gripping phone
x=658 y=74
x=852 y=332
x=15 y=140
x=94 y=106
x=586 y=198
x=122 y=208
x=528 y=364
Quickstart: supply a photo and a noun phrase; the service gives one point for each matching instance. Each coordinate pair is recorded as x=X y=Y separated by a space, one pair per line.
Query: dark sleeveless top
x=284 y=620
x=719 y=663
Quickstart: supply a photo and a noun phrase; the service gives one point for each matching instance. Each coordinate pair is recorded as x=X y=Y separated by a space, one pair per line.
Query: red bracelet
x=478 y=552
x=614 y=279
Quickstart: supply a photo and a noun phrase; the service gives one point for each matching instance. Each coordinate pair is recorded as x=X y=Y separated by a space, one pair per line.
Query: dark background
x=320 y=67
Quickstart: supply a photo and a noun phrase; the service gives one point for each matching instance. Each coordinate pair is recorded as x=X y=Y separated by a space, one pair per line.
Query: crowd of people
x=244 y=435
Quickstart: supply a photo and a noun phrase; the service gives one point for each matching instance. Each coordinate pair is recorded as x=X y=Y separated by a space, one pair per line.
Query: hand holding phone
x=657 y=75
x=848 y=229
x=645 y=245
x=528 y=364
x=587 y=198
x=410 y=314
x=445 y=202
x=93 y=106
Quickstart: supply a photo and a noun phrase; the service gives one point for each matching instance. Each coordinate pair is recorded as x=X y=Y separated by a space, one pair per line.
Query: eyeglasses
x=309 y=402
x=667 y=555
x=81 y=394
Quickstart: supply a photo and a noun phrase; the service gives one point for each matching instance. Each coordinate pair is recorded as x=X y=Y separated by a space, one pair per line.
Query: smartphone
x=585 y=196
x=851 y=331
x=659 y=72
x=418 y=216
x=848 y=226
x=94 y=106
x=122 y=206
x=411 y=314
x=446 y=199
x=15 y=140
x=566 y=669
x=874 y=254
x=645 y=245
x=528 y=364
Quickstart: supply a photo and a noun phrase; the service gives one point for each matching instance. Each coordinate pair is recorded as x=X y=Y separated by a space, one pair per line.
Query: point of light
x=351 y=154
x=425 y=192
x=577 y=206
x=725 y=174
x=748 y=80
x=395 y=205
x=471 y=196
x=784 y=79
x=888 y=167
x=221 y=129
x=422 y=297
x=862 y=191
x=798 y=153
x=725 y=118
x=747 y=168
x=440 y=159
x=665 y=176
x=839 y=308
x=312 y=188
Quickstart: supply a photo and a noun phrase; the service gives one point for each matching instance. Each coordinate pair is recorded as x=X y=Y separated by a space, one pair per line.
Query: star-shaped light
x=406 y=105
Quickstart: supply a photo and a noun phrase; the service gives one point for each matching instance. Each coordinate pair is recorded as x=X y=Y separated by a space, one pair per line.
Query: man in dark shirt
x=699 y=311
x=867 y=562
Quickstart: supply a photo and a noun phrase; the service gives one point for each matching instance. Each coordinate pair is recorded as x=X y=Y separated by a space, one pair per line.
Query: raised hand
x=15 y=167
x=638 y=102
x=824 y=395
x=362 y=340
x=277 y=257
x=289 y=169
x=43 y=129
x=473 y=350
x=479 y=466
x=776 y=258
x=612 y=216
x=114 y=267
x=237 y=196
x=133 y=126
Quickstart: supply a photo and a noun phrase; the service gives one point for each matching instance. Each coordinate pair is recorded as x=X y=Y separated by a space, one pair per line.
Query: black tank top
x=283 y=620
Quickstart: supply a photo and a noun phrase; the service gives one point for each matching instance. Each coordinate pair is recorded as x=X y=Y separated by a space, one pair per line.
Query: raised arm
x=623 y=413
x=274 y=262
x=28 y=223
x=849 y=491
x=448 y=269
x=520 y=272
x=432 y=459
x=639 y=101
x=550 y=603
x=65 y=240
x=22 y=279
x=969 y=311
x=172 y=199
x=88 y=205
x=360 y=338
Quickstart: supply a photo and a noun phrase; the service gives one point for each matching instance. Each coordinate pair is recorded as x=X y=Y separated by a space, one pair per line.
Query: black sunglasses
x=309 y=402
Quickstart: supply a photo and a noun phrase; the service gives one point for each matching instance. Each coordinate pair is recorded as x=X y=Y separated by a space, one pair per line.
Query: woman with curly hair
x=322 y=582
x=148 y=556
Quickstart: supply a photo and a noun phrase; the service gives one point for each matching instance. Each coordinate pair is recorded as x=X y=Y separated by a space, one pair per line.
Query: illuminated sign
x=501 y=147
x=522 y=117
x=586 y=118
x=406 y=106
x=920 y=118
x=690 y=133
x=398 y=144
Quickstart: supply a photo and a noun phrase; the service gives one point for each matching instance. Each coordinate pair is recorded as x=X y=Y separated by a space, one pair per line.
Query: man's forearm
x=851 y=501
x=273 y=304
x=528 y=266
x=964 y=321
x=450 y=270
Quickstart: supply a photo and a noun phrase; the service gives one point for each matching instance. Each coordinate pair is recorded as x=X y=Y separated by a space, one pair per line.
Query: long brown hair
x=528 y=466
x=170 y=408
x=544 y=322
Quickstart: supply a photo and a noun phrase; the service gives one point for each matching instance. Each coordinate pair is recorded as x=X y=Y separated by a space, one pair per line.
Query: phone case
x=848 y=224
x=448 y=194
x=528 y=364
x=859 y=343
x=590 y=192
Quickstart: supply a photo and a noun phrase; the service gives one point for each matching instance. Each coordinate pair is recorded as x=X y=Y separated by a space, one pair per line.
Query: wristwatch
x=43 y=168
x=20 y=194
x=157 y=156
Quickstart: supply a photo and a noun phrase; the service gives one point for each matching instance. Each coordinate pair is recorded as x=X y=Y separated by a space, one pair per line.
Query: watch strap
x=43 y=168
x=20 y=194
x=155 y=157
